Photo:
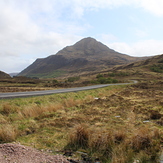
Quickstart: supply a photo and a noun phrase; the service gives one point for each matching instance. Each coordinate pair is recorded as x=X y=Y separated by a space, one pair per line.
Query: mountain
x=3 y=75
x=87 y=55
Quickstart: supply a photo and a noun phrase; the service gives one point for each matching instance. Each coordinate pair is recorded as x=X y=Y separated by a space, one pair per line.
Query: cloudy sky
x=31 y=29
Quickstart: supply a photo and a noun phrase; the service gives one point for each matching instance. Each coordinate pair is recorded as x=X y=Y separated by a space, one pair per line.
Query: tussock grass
x=8 y=133
x=8 y=108
x=107 y=123
x=141 y=139
x=79 y=136
x=101 y=142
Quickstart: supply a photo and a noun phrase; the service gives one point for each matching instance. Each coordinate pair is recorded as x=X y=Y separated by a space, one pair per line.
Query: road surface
x=49 y=92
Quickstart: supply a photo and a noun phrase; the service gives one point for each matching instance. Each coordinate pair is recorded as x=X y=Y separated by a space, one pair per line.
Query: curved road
x=48 y=92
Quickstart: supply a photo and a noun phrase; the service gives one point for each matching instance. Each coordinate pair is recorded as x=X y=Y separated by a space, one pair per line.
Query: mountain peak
x=91 y=44
x=87 y=40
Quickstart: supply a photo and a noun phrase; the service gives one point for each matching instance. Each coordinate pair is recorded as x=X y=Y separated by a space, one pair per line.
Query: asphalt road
x=49 y=92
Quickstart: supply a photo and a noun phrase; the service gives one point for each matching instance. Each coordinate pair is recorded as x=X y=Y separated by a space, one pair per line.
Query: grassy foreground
x=116 y=124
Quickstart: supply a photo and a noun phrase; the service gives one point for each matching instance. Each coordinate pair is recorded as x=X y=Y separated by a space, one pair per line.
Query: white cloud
x=139 y=49
x=153 y=6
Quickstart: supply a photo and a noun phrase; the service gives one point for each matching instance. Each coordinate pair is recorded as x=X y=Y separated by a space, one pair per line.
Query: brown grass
x=116 y=145
x=8 y=133
x=36 y=110
x=143 y=139
x=101 y=142
x=79 y=137
x=120 y=154
x=119 y=136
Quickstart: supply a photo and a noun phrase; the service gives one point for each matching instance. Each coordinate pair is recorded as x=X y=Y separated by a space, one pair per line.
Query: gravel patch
x=15 y=153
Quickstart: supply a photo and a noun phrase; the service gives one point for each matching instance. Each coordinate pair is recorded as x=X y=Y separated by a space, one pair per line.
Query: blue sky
x=36 y=29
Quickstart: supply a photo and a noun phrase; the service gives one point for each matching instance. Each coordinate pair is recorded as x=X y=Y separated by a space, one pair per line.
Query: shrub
x=122 y=74
x=103 y=80
x=55 y=81
x=99 y=76
x=157 y=68
x=72 y=79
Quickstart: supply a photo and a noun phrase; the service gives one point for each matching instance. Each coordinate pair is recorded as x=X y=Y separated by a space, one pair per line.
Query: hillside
x=3 y=75
x=87 y=55
x=154 y=64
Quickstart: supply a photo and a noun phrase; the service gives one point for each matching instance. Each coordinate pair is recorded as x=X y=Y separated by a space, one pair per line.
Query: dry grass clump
x=8 y=133
x=122 y=154
x=79 y=137
x=33 y=111
x=8 y=109
x=142 y=139
x=148 y=142
x=102 y=143
x=36 y=111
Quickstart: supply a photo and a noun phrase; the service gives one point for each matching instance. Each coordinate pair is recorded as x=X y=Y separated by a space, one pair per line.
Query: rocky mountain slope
x=87 y=55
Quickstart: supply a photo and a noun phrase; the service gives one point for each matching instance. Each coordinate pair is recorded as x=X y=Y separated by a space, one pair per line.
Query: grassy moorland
x=116 y=124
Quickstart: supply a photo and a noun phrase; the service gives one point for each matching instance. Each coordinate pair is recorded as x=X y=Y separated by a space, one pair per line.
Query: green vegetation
x=103 y=80
x=72 y=79
x=121 y=74
x=108 y=123
x=160 y=61
x=53 y=74
x=55 y=81
x=99 y=76
x=157 y=67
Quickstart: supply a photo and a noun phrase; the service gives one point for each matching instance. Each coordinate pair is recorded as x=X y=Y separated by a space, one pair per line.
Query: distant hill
x=13 y=74
x=3 y=75
x=87 y=55
x=154 y=64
